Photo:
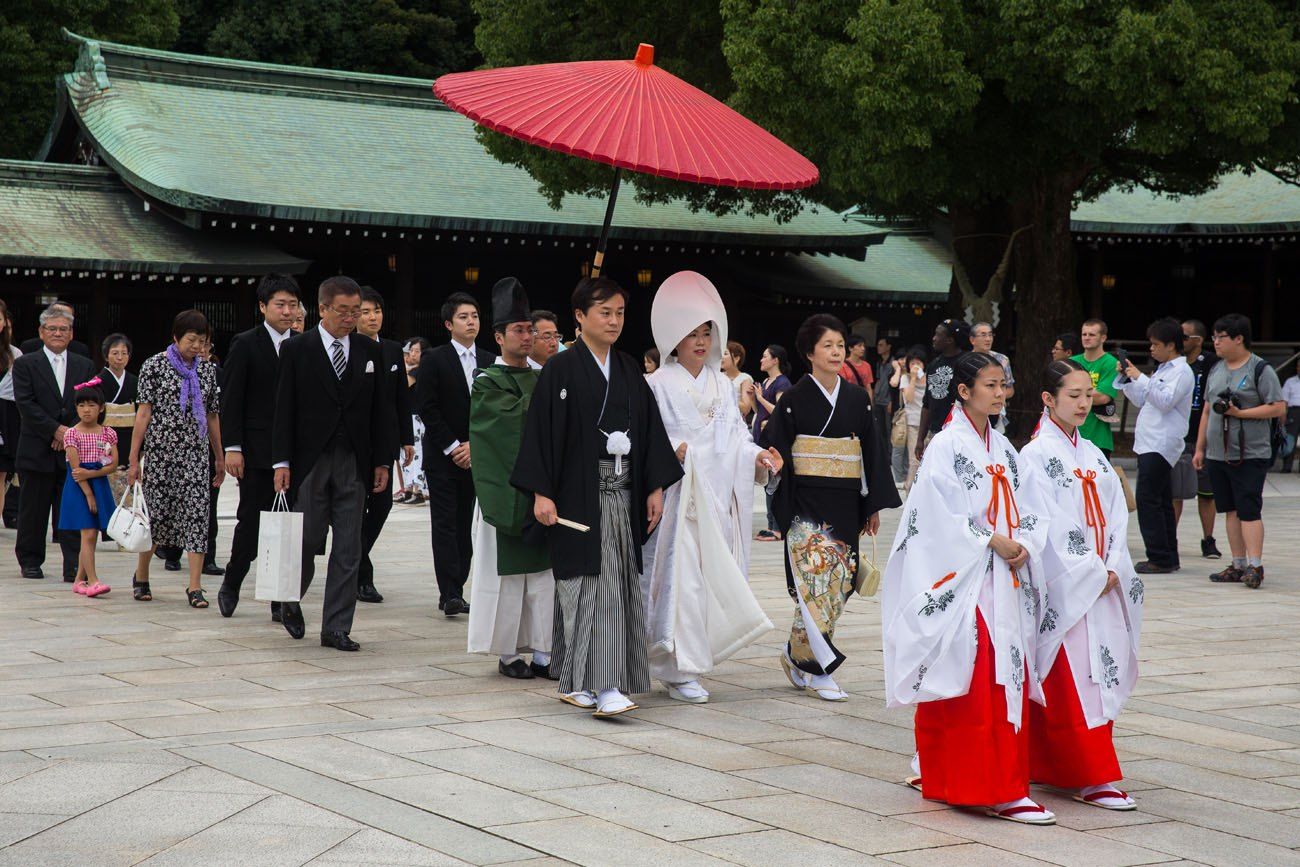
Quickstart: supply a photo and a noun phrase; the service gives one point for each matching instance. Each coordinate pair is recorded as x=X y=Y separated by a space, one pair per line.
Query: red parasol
x=629 y=114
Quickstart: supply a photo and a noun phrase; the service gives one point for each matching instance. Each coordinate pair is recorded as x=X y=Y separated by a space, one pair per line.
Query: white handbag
x=129 y=525
x=279 y=553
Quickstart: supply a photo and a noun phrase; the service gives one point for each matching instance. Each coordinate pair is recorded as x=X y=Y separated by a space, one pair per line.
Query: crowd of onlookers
x=1212 y=418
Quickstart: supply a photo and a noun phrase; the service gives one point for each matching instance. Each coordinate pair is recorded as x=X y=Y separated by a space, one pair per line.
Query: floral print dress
x=174 y=456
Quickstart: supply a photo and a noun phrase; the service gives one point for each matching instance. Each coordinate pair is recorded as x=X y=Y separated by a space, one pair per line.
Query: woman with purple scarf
x=175 y=428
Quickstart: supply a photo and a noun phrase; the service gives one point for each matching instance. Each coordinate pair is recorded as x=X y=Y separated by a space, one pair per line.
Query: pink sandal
x=79 y=587
x=96 y=589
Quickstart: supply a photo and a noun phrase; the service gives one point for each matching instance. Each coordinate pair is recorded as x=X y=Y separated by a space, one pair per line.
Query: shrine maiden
x=961 y=606
x=1092 y=611
x=699 y=607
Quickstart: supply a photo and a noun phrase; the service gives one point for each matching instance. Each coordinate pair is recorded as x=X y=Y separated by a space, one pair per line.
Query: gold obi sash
x=119 y=415
x=827 y=457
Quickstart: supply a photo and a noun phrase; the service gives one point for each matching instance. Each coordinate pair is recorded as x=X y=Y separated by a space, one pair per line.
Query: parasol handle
x=599 y=259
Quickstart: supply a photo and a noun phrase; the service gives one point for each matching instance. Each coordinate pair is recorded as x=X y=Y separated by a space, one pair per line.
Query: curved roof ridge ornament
x=91 y=72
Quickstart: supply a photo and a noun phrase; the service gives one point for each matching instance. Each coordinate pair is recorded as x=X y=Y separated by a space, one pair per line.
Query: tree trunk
x=1047 y=299
x=979 y=237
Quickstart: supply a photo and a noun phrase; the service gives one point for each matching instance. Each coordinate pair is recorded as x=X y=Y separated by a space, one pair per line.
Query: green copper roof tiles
x=1252 y=204
x=236 y=138
x=79 y=217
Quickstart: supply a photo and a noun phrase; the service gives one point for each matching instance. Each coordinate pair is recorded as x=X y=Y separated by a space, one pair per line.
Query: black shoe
x=338 y=641
x=1254 y=577
x=227 y=600
x=68 y=579
x=1146 y=567
x=368 y=593
x=291 y=618
x=211 y=568
x=518 y=669
x=172 y=565
x=1209 y=550
x=33 y=572
x=1230 y=575
x=543 y=671
x=275 y=612
x=454 y=607
x=442 y=604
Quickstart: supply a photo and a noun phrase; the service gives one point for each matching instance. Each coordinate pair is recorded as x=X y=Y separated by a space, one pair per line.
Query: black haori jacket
x=563 y=445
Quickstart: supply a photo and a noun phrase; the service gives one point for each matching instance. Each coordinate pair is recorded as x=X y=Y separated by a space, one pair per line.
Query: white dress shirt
x=1165 y=398
x=59 y=361
x=468 y=360
x=533 y=364
x=7 y=381
x=277 y=339
x=1291 y=391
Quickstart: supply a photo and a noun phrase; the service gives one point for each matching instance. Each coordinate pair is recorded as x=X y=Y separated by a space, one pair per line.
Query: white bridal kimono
x=1099 y=634
x=699 y=608
x=941 y=570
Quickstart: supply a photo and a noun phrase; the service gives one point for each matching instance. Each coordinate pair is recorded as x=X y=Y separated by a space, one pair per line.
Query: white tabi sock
x=540 y=658
x=507 y=660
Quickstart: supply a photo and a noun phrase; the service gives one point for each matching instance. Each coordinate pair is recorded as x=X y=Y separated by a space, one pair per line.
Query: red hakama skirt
x=969 y=753
x=1063 y=751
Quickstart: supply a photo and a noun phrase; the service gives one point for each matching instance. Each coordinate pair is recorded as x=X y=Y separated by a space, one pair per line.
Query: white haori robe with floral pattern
x=942 y=570
x=1085 y=503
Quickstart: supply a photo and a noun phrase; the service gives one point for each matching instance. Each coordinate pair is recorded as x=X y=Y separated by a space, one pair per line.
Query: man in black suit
x=247 y=413
x=396 y=393
x=332 y=440
x=44 y=389
x=442 y=395
x=76 y=347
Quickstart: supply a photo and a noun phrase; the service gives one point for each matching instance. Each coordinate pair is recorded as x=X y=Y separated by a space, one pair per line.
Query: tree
x=33 y=53
x=1001 y=115
x=992 y=116
x=416 y=38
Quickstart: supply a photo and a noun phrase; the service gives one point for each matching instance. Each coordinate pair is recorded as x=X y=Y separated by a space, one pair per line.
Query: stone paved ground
x=149 y=733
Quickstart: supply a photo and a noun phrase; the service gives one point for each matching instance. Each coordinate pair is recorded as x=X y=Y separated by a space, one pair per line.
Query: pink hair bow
x=90 y=383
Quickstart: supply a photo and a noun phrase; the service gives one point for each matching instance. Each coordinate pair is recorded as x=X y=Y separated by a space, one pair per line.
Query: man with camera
x=1235 y=443
x=1165 y=399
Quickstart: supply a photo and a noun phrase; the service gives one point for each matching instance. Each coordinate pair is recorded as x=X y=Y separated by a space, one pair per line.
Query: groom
x=331 y=442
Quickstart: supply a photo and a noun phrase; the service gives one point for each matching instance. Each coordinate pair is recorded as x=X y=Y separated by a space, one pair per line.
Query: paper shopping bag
x=279 y=554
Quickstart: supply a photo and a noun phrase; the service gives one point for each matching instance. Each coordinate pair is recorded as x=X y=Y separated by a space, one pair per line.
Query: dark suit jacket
x=34 y=344
x=442 y=398
x=43 y=408
x=248 y=395
x=397 y=392
x=130 y=384
x=311 y=403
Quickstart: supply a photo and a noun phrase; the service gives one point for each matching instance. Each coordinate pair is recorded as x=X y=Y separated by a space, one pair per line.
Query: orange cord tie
x=1007 y=505
x=1092 y=511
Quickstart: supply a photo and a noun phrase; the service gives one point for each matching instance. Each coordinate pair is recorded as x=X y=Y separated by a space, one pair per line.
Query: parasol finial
x=645 y=55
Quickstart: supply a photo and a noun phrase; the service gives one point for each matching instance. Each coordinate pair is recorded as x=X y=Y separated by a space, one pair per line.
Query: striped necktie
x=336 y=355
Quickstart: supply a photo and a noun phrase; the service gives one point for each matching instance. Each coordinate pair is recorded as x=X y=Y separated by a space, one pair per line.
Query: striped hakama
x=600 y=638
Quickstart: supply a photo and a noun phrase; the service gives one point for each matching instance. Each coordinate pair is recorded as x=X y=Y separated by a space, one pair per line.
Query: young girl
x=1092 y=611
x=87 y=502
x=961 y=606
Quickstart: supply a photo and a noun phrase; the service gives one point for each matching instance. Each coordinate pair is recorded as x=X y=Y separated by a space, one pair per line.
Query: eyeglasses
x=1216 y=338
x=349 y=313
x=57 y=329
x=555 y=335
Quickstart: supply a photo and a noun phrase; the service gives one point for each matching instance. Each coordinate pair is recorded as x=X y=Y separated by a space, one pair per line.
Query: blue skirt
x=74 y=513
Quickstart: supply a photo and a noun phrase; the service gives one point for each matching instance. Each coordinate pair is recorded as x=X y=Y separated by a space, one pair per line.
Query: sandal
x=1042 y=816
x=914 y=782
x=1119 y=801
x=140 y=590
x=96 y=589
x=196 y=598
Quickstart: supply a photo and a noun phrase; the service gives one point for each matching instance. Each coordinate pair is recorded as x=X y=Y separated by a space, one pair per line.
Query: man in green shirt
x=513 y=602
x=1102 y=366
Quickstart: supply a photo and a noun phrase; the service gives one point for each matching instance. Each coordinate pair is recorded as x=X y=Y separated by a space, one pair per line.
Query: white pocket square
x=393 y=369
x=370 y=367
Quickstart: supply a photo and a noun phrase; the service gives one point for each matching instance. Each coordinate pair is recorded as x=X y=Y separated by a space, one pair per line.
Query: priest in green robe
x=512 y=599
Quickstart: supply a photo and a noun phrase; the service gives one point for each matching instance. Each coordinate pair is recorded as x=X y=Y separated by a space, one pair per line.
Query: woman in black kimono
x=835 y=481
x=595 y=453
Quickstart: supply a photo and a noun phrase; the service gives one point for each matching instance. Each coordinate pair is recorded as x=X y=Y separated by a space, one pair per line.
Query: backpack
x=1276 y=426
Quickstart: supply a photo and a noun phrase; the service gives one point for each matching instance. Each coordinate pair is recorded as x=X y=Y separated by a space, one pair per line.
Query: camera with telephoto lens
x=1224 y=400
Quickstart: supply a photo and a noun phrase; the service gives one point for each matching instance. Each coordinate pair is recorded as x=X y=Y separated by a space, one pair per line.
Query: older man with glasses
x=546 y=338
x=44 y=390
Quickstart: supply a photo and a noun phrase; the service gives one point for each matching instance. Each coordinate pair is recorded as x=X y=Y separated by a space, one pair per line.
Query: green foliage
x=33 y=54
x=416 y=38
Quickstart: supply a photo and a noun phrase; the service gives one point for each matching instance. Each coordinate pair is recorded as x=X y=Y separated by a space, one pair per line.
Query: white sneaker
x=690 y=692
